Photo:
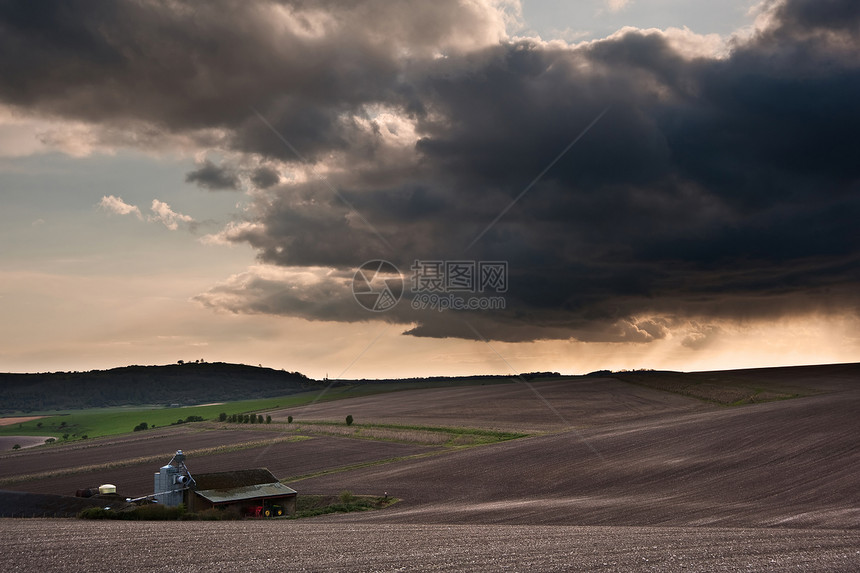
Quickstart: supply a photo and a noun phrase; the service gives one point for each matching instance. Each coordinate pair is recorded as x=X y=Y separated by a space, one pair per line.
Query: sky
x=372 y=189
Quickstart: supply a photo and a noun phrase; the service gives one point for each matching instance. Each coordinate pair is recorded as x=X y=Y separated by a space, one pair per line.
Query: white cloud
x=617 y=5
x=686 y=43
x=161 y=212
x=232 y=233
x=167 y=216
x=116 y=205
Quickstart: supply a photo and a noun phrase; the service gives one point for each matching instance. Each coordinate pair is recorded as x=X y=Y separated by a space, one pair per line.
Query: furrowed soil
x=315 y=545
x=309 y=455
x=535 y=407
x=615 y=476
x=8 y=442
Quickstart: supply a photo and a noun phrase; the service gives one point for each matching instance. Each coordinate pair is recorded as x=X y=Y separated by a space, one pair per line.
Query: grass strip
x=448 y=436
x=722 y=392
x=346 y=502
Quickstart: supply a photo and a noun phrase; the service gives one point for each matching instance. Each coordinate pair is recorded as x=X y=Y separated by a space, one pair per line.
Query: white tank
x=107 y=488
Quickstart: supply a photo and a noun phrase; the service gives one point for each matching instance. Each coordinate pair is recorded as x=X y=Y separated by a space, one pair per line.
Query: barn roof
x=258 y=491
x=240 y=485
x=233 y=479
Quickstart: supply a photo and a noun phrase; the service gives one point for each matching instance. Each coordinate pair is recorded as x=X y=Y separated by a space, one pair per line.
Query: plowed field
x=134 y=547
x=615 y=477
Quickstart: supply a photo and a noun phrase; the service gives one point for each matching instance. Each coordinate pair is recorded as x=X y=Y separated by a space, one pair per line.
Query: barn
x=251 y=492
x=255 y=492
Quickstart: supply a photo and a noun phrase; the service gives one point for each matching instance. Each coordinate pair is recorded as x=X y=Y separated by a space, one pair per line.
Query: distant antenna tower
x=172 y=480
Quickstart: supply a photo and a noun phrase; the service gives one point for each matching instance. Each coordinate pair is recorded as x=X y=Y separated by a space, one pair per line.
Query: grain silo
x=172 y=480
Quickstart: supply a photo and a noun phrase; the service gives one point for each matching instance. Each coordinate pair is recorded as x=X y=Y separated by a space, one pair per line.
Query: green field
x=120 y=420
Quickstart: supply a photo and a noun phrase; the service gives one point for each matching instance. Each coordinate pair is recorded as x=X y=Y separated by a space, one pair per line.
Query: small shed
x=256 y=492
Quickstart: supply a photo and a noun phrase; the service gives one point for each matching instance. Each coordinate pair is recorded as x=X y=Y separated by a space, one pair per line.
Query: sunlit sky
x=673 y=183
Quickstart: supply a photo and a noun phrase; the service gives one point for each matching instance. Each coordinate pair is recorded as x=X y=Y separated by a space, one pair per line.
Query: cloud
x=162 y=213
x=720 y=184
x=117 y=206
x=616 y=5
x=213 y=177
x=701 y=336
x=265 y=177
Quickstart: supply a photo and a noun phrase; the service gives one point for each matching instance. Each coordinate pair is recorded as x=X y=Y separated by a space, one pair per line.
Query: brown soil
x=164 y=441
x=536 y=406
x=282 y=459
x=18 y=420
x=788 y=463
x=8 y=442
x=629 y=478
x=325 y=544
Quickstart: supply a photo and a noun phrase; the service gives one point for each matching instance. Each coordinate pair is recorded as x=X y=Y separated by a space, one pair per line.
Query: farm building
x=256 y=492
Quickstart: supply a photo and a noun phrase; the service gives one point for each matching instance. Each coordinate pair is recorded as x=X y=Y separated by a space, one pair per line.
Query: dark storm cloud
x=264 y=177
x=711 y=188
x=185 y=66
x=213 y=177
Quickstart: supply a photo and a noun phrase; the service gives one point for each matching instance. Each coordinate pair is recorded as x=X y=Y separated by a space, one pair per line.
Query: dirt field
x=282 y=459
x=538 y=406
x=8 y=442
x=163 y=441
x=18 y=420
x=622 y=478
x=327 y=545
x=787 y=463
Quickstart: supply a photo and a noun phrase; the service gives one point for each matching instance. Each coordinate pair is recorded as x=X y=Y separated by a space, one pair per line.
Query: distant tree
x=65 y=436
x=180 y=362
x=141 y=426
x=289 y=419
x=62 y=424
x=84 y=437
x=50 y=440
x=253 y=419
x=349 y=420
x=222 y=417
x=16 y=447
x=260 y=419
x=39 y=424
x=247 y=419
x=268 y=419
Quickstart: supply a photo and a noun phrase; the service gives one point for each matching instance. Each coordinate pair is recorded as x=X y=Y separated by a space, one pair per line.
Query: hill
x=182 y=384
x=661 y=471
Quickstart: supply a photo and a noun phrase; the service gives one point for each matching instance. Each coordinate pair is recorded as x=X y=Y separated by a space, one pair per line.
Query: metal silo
x=172 y=480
